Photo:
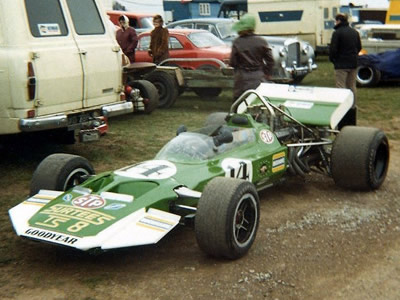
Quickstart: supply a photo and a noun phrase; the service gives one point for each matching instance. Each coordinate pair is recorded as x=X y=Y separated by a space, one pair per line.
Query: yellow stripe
x=44 y=197
x=278 y=155
x=34 y=203
x=159 y=220
x=150 y=227
x=278 y=168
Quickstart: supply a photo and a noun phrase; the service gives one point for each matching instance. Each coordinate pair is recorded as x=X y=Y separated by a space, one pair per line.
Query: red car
x=200 y=45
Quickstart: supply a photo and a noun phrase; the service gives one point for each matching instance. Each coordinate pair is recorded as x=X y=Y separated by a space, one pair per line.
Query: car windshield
x=197 y=147
x=147 y=22
x=225 y=30
x=204 y=39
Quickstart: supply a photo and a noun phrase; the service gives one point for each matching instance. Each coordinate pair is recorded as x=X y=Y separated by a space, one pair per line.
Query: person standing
x=159 y=41
x=343 y=53
x=251 y=57
x=127 y=38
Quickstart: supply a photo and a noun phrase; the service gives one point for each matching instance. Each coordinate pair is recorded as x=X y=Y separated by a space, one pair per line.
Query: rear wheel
x=149 y=94
x=227 y=217
x=166 y=86
x=367 y=76
x=360 y=158
x=60 y=172
x=207 y=93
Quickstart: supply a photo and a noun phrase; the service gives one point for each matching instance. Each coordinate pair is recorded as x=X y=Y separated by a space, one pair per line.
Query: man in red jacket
x=127 y=38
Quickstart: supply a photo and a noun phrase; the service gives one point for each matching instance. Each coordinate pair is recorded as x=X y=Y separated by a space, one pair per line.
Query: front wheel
x=227 y=217
x=60 y=172
x=360 y=158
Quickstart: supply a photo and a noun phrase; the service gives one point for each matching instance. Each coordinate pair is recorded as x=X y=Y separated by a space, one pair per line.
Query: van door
x=55 y=59
x=99 y=53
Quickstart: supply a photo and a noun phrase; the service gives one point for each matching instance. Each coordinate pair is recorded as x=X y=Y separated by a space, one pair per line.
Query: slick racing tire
x=360 y=158
x=60 y=172
x=217 y=118
x=227 y=217
x=167 y=87
x=149 y=92
x=367 y=76
x=207 y=93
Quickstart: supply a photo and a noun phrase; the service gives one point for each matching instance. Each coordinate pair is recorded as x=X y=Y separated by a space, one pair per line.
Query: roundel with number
x=238 y=168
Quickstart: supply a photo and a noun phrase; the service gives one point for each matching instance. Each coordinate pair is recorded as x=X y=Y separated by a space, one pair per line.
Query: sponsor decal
x=60 y=213
x=278 y=162
x=299 y=104
x=267 y=136
x=155 y=223
x=89 y=201
x=49 y=29
x=51 y=236
x=114 y=206
x=152 y=169
x=67 y=197
x=238 y=168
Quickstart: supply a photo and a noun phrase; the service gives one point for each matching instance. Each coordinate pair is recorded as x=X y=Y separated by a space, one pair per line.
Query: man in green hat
x=251 y=57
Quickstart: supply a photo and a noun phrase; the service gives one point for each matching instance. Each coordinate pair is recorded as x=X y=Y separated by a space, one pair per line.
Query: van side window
x=86 y=17
x=45 y=18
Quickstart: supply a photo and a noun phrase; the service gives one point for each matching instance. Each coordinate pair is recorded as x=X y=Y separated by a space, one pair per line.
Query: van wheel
x=148 y=92
x=60 y=172
x=367 y=76
x=166 y=86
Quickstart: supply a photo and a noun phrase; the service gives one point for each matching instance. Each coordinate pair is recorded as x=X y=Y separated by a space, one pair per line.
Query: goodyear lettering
x=51 y=236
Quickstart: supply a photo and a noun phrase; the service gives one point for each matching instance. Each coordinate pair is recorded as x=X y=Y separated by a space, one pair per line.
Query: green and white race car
x=208 y=178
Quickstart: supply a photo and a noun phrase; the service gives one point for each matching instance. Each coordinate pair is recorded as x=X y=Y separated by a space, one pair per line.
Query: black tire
x=167 y=87
x=217 y=118
x=148 y=92
x=367 y=76
x=207 y=93
x=224 y=206
x=60 y=172
x=360 y=158
x=299 y=78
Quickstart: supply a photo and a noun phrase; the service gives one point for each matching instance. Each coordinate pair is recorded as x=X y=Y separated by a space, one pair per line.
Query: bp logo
x=89 y=201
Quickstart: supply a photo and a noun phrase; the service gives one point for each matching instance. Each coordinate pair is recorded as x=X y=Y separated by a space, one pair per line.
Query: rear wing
x=310 y=105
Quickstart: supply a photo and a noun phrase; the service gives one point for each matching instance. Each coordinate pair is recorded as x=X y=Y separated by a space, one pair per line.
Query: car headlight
x=282 y=51
x=305 y=49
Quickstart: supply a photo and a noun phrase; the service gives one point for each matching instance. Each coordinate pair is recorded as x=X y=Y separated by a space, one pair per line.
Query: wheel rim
x=74 y=178
x=381 y=161
x=245 y=220
x=364 y=75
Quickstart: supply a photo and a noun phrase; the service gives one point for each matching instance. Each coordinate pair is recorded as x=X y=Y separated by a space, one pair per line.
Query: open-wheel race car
x=208 y=178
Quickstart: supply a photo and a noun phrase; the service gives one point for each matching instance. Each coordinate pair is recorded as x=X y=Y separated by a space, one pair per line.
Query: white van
x=60 y=66
x=310 y=20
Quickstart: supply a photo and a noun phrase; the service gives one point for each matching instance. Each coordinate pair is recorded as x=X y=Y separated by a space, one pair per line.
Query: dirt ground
x=315 y=241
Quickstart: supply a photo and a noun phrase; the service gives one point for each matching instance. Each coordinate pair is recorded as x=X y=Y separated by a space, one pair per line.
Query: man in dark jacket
x=127 y=38
x=251 y=57
x=344 y=48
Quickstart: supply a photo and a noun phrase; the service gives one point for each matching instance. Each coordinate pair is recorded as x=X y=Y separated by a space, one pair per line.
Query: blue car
x=375 y=68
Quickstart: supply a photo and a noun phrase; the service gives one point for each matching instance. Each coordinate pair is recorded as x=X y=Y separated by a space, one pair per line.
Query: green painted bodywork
x=268 y=163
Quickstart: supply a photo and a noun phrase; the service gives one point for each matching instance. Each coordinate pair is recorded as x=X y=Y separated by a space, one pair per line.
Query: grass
x=136 y=138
